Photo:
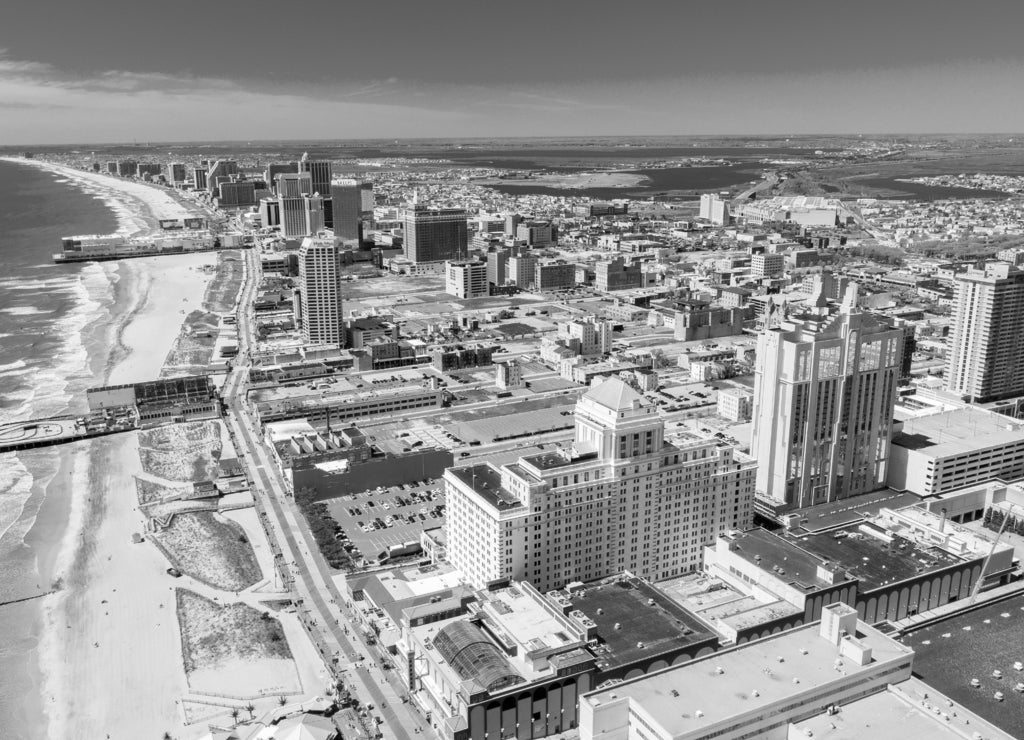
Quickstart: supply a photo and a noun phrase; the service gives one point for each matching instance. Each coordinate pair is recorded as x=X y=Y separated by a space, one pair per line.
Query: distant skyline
x=118 y=71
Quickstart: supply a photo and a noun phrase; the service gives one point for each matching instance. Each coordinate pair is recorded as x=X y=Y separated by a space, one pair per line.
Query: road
x=304 y=569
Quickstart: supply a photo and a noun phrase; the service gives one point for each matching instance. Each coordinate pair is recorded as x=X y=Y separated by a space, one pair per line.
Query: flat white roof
x=778 y=668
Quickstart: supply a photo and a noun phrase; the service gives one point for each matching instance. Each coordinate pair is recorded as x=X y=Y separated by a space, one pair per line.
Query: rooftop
x=520 y=612
x=958 y=431
x=787 y=559
x=875 y=561
x=851 y=510
x=485 y=481
x=906 y=711
x=558 y=459
x=645 y=629
x=951 y=652
x=616 y=395
x=750 y=678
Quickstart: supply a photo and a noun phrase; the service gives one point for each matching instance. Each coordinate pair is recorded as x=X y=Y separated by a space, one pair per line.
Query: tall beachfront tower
x=985 y=361
x=824 y=393
x=621 y=497
x=320 y=292
x=435 y=234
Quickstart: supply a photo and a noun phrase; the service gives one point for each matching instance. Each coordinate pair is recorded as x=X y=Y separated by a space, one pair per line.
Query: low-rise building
x=618 y=274
x=336 y=463
x=341 y=400
x=466 y=279
x=557 y=275
x=735 y=404
x=482 y=663
x=458 y=357
x=508 y=375
x=896 y=564
x=767 y=265
x=753 y=690
x=953 y=449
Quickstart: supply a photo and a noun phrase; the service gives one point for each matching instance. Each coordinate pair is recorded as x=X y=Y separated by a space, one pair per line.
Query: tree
x=251 y=710
x=281 y=701
x=235 y=712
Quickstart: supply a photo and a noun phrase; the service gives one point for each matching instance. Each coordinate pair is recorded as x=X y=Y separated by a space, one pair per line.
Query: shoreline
x=82 y=687
x=137 y=206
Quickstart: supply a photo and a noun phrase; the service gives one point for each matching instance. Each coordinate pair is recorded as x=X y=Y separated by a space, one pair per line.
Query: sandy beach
x=168 y=289
x=110 y=651
x=110 y=647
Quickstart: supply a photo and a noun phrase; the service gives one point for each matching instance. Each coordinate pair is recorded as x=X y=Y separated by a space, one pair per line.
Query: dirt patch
x=212 y=635
x=210 y=549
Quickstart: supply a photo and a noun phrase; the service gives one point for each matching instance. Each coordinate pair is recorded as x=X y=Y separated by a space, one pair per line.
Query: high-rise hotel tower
x=824 y=392
x=435 y=234
x=621 y=498
x=985 y=360
x=320 y=292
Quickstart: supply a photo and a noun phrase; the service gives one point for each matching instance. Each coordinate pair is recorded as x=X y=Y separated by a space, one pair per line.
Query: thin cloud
x=117 y=105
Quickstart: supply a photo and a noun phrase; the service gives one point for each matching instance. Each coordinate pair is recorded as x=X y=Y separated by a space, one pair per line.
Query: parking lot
x=375 y=520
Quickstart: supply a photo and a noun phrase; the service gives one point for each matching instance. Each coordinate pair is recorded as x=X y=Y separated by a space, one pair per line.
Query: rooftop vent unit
x=698 y=714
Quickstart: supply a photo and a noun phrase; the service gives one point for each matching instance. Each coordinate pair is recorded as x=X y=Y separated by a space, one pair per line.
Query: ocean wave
x=25 y=311
x=49 y=284
x=16 y=365
x=51 y=390
x=15 y=489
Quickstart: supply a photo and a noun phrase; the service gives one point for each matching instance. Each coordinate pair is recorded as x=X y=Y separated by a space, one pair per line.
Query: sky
x=120 y=71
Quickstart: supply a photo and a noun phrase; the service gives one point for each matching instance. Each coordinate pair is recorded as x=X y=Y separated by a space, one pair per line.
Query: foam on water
x=15 y=489
x=24 y=311
x=49 y=394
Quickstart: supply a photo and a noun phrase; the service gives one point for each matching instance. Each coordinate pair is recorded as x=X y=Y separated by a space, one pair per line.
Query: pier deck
x=28 y=434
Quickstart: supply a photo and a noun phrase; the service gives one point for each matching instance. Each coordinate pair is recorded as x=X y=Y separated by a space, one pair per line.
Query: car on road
x=174 y=572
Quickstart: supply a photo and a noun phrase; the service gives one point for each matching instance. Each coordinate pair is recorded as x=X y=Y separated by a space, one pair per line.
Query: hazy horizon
x=119 y=72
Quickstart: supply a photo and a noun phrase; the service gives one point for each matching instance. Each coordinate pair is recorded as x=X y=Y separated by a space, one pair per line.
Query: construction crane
x=991 y=552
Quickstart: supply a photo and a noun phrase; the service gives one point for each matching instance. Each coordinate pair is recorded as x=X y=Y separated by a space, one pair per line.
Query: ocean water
x=55 y=340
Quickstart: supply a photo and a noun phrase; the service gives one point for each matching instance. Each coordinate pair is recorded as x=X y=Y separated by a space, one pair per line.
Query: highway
x=320 y=604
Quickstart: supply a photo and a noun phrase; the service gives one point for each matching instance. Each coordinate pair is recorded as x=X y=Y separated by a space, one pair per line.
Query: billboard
x=167 y=224
x=195 y=223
